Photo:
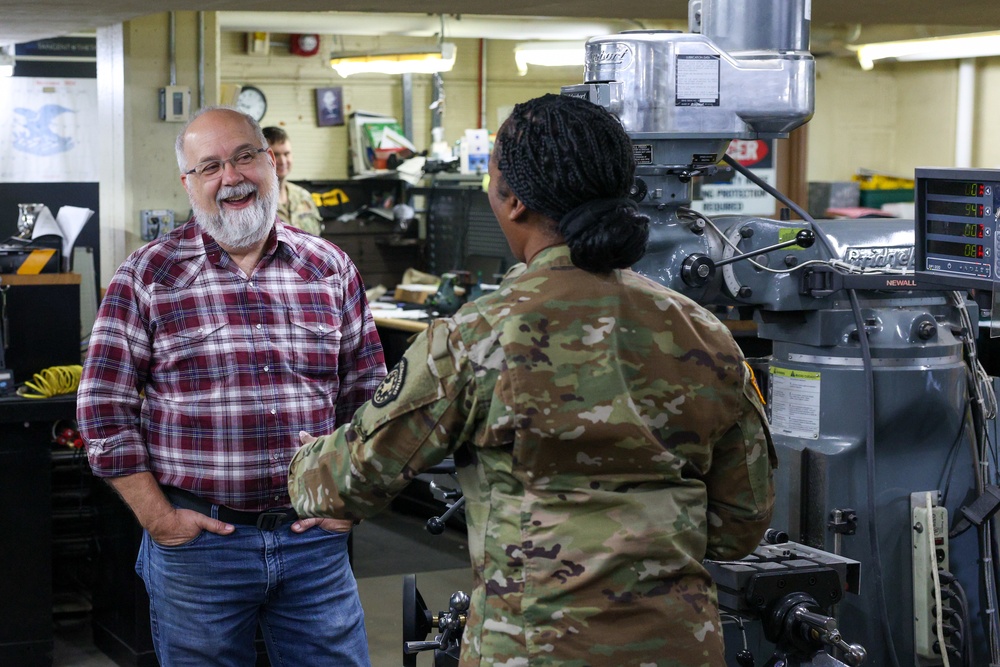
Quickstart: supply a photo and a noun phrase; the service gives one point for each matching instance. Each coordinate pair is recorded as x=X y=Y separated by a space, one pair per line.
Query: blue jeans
x=207 y=597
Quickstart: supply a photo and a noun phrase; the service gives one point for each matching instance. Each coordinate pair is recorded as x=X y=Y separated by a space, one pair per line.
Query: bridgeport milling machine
x=878 y=405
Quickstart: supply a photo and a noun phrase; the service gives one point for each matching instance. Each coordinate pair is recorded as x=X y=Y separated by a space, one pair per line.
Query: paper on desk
x=66 y=225
x=71 y=220
x=45 y=224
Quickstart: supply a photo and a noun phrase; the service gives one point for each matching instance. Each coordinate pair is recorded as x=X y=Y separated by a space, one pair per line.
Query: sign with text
x=731 y=193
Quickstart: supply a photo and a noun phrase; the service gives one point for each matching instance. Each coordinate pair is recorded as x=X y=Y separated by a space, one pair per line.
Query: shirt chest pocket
x=195 y=357
x=313 y=341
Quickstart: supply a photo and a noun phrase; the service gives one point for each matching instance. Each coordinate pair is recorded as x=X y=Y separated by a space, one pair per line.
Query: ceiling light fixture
x=548 y=54
x=6 y=62
x=441 y=59
x=953 y=47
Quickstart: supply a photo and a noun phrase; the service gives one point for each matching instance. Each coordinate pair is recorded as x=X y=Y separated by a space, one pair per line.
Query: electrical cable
x=953 y=590
x=983 y=408
x=52 y=381
x=954 y=625
x=876 y=553
x=939 y=617
x=944 y=482
x=954 y=629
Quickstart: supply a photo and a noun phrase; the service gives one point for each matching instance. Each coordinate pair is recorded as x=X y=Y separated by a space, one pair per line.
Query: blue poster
x=48 y=130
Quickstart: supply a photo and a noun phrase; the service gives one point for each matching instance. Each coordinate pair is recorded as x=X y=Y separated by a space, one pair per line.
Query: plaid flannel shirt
x=205 y=378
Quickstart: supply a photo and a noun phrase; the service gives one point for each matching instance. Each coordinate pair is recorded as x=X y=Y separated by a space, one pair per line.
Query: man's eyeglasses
x=213 y=168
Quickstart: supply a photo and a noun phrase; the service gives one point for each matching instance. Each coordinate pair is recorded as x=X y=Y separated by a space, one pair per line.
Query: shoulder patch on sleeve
x=391 y=385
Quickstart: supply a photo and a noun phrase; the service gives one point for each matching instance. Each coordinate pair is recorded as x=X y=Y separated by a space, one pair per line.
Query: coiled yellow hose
x=52 y=381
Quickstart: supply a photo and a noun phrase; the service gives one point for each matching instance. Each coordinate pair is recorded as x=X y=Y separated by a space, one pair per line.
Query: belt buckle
x=271 y=519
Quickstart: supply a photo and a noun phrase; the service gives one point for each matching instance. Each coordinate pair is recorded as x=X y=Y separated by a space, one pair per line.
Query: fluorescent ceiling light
x=548 y=54
x=954 y=47
x=6 y=63
x=409 y=62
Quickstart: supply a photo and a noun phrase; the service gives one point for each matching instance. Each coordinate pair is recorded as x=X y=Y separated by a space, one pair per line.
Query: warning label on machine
x=697 y=81
x=794 y=399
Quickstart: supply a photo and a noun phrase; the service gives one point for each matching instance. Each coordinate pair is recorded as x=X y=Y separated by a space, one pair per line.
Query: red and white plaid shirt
x=205 y=378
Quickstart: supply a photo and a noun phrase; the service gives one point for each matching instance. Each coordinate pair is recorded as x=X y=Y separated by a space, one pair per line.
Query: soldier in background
x=607 y=431
x=295 y=204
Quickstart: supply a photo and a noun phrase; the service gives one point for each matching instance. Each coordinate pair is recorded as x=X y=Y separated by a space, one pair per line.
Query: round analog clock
x=251 y=100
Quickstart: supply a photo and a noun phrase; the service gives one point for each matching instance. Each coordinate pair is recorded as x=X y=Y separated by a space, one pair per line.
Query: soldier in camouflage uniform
x=296 y=206
x=607 y=431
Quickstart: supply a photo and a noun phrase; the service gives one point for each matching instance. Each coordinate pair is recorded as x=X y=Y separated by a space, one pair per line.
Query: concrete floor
x=390 y=545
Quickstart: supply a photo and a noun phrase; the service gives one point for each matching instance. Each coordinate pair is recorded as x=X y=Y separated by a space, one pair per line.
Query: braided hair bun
x=571 y=160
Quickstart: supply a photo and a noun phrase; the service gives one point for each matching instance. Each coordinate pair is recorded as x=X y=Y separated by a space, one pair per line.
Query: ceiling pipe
x=420 y=25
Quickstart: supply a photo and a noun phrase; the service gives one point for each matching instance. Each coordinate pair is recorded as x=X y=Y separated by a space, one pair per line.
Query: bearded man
x=213 y=347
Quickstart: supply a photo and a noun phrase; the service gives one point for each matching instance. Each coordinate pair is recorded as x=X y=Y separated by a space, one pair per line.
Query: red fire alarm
x=305 y=45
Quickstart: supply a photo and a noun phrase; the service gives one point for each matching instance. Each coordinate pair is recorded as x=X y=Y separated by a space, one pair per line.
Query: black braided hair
x=571 y=160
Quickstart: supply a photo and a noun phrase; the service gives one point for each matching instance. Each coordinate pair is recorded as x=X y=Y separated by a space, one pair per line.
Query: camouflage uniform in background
x=301 y=211
x=609 y=437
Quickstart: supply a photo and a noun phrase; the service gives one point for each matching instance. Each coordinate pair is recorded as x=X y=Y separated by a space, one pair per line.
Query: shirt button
x=277 y=497
x=273 y=411
x=258 y=326
x=267 y=368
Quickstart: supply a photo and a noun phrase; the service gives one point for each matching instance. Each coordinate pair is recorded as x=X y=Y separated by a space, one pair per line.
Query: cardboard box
x=832 y=194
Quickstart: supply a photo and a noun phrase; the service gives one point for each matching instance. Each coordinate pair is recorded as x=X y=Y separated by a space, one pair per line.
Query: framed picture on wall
x=330 y=106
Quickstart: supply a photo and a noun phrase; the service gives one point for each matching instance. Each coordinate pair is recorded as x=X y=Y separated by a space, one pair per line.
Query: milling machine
x=878 y=404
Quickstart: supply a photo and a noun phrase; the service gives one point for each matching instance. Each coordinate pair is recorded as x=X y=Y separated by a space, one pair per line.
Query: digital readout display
x=957 y=188
x=969 y=230
x=968 y=210
x=953 y=249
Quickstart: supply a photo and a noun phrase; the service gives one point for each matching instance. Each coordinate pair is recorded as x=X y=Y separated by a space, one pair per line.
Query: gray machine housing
x=858 y=427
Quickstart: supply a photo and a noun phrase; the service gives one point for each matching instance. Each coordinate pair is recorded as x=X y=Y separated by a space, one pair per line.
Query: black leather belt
x=266 y=520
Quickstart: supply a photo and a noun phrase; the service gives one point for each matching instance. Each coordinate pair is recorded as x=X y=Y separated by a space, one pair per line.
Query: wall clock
x=252 y=101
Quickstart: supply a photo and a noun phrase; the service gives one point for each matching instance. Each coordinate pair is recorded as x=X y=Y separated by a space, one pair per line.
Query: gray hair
x=179 y=144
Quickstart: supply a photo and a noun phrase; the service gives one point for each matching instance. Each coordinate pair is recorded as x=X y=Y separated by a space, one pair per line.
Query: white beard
x=245 y=228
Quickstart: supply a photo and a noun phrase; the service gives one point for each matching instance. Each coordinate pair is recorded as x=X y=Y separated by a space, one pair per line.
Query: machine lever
x=805 y=238
x=417 y=647
x=698 y=269
x=435 y=524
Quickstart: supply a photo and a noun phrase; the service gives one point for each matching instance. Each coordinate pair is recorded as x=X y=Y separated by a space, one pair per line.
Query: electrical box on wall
x=175 y=104
x=155 y=223
x=258 y=43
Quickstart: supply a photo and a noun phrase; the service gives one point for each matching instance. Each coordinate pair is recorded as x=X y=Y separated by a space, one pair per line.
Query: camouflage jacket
x=301 y=210
x=609 y=437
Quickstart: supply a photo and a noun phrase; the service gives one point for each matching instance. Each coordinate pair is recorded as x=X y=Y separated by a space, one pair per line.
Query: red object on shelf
x=857 y=212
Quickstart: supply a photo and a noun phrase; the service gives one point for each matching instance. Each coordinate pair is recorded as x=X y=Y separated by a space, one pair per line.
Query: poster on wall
x=731 y=193
x=48 y=130
x=330 y=106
